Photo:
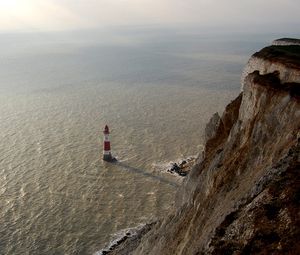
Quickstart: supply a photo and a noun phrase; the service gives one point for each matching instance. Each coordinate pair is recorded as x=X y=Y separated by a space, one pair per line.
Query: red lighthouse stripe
x=107 y=145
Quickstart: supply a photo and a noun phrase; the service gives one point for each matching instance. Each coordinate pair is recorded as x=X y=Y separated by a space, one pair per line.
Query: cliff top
x=288 y=40
x=288 y=55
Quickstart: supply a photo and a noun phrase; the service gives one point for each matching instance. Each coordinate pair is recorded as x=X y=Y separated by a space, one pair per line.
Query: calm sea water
x=156 y=89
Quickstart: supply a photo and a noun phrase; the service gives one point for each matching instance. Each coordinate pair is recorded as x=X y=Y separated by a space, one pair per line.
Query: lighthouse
x=106 y=146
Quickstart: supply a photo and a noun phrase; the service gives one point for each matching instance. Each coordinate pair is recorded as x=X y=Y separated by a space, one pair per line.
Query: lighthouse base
x=109 y=158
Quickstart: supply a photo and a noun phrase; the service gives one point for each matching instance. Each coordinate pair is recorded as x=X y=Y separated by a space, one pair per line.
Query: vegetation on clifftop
x=289 y=55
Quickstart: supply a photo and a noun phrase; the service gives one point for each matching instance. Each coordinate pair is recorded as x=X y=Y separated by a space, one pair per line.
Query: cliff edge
x=242 y=195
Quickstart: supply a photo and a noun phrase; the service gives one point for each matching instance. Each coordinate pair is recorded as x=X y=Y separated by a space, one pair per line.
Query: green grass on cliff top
x=287 y=55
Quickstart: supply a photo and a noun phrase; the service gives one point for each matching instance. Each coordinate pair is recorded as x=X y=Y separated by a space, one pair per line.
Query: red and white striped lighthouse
x=106 y=145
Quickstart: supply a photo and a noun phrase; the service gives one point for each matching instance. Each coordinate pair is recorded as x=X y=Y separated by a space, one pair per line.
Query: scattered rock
x=183 y=167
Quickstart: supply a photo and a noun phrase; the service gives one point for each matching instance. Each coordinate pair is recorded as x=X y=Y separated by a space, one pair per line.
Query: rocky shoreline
x=127 y=240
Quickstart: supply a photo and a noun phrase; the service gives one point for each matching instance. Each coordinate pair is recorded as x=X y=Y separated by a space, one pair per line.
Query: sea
x=155 y=88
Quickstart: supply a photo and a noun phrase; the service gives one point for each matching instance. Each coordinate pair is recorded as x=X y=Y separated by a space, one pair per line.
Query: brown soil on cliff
x=272 y=216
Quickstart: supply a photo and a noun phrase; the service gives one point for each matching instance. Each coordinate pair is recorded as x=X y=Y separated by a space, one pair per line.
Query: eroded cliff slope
x=242 y=196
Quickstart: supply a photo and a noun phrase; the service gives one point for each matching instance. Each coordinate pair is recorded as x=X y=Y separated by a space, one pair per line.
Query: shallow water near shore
x=155 y=93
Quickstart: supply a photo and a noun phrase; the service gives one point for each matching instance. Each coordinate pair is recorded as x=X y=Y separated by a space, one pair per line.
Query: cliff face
x=242 y=196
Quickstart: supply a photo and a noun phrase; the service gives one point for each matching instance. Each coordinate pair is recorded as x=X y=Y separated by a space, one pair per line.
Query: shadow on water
x=146 y=174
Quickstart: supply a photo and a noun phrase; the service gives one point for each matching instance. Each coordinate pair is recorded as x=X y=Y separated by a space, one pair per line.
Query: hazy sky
x=72 y=14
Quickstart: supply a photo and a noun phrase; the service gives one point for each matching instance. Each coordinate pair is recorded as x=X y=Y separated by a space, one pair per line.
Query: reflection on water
x=146 y=174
